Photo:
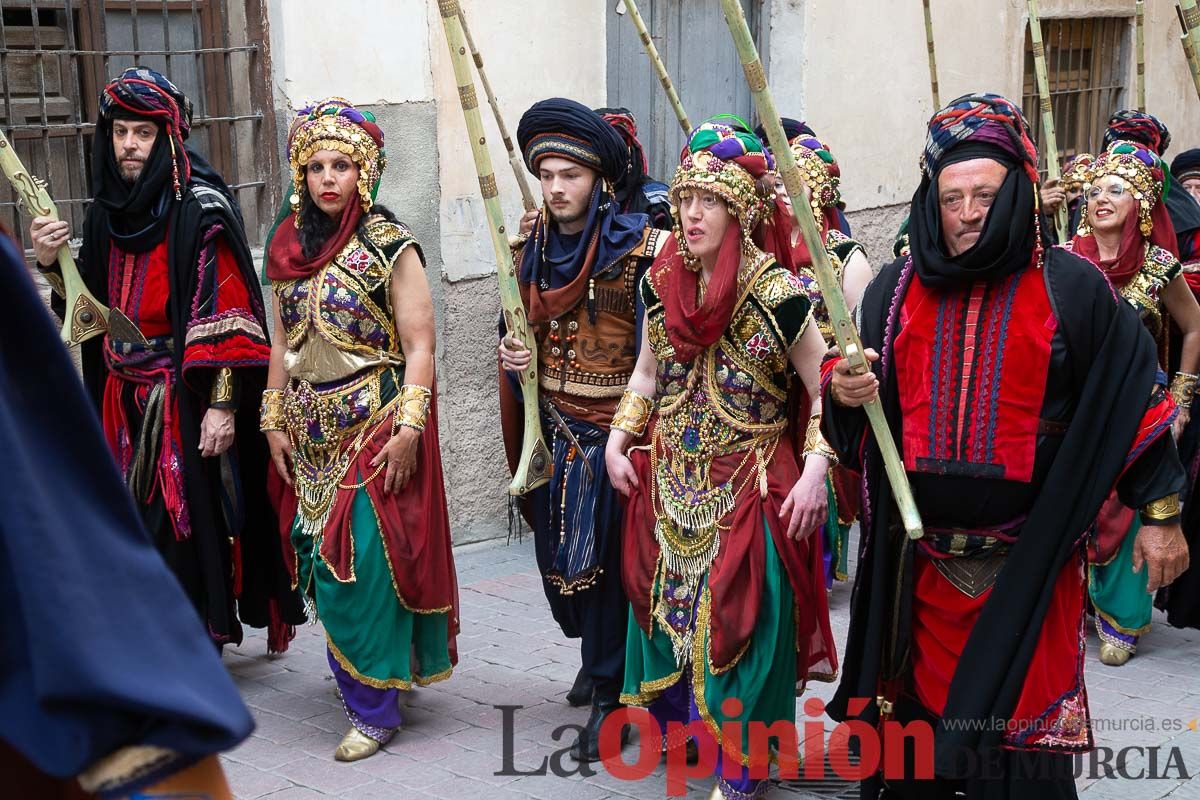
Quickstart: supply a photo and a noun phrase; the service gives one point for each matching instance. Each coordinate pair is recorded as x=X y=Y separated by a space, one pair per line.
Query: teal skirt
x=1119 y=594
x=762 y=680
x=369 y=631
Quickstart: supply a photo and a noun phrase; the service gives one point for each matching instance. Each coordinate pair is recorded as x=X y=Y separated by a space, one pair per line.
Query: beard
x=130 y=173
x=569 y=217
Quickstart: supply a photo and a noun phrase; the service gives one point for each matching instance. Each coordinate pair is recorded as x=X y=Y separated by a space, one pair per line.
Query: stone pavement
x=511 y=653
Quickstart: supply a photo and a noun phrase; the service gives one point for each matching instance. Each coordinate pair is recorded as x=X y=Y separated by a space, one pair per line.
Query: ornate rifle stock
x=514 y=159
x=86 y=316
x=533 y=470
x=831 y=290
x=1049 y=140
x=660 y=68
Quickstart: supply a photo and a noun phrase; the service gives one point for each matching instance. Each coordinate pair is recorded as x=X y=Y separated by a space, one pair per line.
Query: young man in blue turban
x=579 y=272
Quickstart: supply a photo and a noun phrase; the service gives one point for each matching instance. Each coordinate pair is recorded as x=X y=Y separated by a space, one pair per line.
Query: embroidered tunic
x=358 y=553
x=724 y=604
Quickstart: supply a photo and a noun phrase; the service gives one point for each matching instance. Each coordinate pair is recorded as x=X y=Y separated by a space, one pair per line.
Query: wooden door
x=694 y=41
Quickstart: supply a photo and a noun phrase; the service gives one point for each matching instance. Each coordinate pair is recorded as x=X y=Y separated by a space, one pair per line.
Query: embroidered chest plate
x=737 y=389
x=972 y=366
x=1144 y=290
x=345 y=302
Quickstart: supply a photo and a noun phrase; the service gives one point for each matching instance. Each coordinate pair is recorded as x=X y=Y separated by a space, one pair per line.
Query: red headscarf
x=1142 y=170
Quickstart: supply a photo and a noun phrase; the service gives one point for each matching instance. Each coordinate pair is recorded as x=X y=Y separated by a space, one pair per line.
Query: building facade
x=858 y=73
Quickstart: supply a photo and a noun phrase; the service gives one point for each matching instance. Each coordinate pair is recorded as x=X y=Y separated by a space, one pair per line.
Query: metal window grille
x=1086 y=69
x=56 y=56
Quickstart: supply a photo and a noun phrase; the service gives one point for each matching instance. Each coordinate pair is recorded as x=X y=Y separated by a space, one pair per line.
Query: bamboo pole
x=1189 y=51
x=933 y=80
x=514 y=158
x=1191 y=23
x=533 y=469
x=831 y=290
x=1049 y=141
x=659 y=67
x=85 y=316
x=1140 y=20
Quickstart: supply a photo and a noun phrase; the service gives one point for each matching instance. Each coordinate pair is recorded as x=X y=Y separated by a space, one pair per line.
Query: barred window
x=1086 y=69
x=56 y=56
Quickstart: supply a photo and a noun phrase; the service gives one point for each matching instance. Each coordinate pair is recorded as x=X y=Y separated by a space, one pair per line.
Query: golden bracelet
x=413 y=409
x=270 y=412
x=814 y=441
x=222 y=387
x=1165 y=508
x=1183 y=388
x=633 y=412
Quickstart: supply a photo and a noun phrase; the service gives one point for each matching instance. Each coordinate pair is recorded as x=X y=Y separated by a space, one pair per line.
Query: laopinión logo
x=854 y=750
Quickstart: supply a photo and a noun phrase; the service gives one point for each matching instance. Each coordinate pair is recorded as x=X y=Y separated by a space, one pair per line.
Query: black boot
x=581 y=690
x=587 y=746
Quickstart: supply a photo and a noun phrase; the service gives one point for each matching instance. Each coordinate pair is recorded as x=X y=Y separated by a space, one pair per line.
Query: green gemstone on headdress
x=367 y=115
x=826 y=156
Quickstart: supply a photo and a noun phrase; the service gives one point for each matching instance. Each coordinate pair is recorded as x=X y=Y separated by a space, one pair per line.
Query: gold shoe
x=1112 y=655
x=355 y=746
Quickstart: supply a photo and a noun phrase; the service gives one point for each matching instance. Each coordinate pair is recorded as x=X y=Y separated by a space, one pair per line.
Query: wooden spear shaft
x=1049 y=141
x=831 y=291
x=659 y=67
x=514 y=158
x=1189 y=50
x=533 y=469
x=1140 y=42
x=933 y=81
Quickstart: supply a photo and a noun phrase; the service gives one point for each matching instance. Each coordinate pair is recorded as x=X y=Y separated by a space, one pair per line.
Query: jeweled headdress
x=820 y=172
x=728 y=162
x=1140 y=169
x=334 y=124
x=1078 y=172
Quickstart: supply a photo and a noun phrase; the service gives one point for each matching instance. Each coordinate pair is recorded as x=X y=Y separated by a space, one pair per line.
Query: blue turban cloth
x=1186 y=164
x=99 y=647
x=974 y=127
x=552 y=260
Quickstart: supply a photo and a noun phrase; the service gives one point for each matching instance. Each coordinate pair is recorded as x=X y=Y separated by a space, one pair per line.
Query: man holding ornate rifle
x=579 y=270
x=178 y=377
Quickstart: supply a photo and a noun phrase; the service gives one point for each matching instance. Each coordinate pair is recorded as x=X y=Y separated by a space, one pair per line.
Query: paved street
x=511 y=653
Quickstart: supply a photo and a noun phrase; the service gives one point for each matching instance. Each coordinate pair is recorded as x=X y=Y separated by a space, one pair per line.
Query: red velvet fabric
x=286 y=262
x=414 y=524
x=942 y=620
x=693 y=326
x=736 y=576
x=995 y=339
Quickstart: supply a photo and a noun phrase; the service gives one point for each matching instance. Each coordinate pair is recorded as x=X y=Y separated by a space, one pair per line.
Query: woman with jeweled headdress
x=719 y=562
x=821 y=177
x=351 y=419
x=1125 y=229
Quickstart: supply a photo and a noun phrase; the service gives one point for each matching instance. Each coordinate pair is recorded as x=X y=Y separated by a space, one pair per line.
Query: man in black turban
x=579 y=272
x=179 y=375
x=1001 y=366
